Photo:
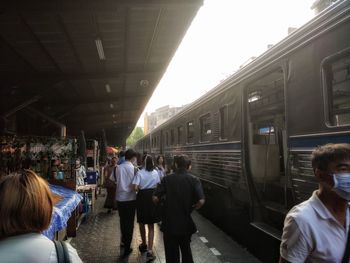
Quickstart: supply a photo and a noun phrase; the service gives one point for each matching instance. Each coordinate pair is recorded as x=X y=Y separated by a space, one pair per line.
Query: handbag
x=109 y=183
x=62 y=252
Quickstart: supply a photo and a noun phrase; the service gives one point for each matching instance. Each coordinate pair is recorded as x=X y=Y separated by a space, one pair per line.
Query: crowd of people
x=314 y=231
x=142 y=185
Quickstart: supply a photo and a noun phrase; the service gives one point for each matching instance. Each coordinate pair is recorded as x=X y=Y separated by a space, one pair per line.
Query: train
x=250 y=138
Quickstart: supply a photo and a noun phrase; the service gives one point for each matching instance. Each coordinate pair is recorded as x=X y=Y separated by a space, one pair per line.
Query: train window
x=264 y=135
x=180 y=131
x=190 y=132
x=172 y=137
x=337 y=79
x=266 y=107
x=254 y=96
x=205 y=127
x=223 y=122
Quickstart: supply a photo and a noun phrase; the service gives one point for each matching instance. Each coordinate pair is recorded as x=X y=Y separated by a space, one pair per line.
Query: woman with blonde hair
x=25 y=211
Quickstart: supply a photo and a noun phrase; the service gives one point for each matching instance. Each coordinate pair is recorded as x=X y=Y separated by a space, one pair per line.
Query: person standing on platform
x=26 y=210
x=317 y=230
x=145 y=182
x=121 y=157
x=126 y=199
x=161 y=166
x=111 y=171
x=80 y=172
x=181 y=192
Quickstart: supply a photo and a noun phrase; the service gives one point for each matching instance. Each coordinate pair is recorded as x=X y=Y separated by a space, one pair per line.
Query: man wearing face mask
x=317 y=229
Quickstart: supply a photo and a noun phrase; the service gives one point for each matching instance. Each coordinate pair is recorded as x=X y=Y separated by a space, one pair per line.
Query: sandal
x=143 y=248
x=150 y=256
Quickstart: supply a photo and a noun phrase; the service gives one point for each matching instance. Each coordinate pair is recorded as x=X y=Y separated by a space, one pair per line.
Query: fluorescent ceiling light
x=111 y=105
x=108 y=88
x=99 y=47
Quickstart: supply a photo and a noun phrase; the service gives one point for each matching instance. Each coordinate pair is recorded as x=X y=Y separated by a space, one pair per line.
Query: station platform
x=98 y=240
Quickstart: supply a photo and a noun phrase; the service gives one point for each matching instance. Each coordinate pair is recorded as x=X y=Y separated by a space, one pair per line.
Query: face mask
x=342 y=185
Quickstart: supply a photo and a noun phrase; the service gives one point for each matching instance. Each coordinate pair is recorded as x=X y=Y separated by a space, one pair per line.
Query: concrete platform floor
x=98 y=240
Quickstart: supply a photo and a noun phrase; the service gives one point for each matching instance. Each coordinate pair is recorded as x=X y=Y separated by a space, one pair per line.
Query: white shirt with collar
x=312 y=234
x=125 y=175
x=146 y=179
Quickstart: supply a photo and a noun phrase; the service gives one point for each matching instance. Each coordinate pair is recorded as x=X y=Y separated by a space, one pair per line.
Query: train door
x=266 y=144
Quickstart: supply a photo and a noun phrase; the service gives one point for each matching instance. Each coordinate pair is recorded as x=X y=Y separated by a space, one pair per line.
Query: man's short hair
x=129 y=154
x=26 y=204
x=182 y=161
x=323 y=155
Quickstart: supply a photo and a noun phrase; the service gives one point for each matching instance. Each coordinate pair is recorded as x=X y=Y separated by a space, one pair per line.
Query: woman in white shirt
x=26 y=210
x=145 y=182
x=80 y=172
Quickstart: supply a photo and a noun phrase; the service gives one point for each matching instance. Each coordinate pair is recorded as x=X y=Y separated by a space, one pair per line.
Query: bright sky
x=223 y=36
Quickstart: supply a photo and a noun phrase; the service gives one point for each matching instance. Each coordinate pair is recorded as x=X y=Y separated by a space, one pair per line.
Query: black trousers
x=172 y=244
x=127 y=217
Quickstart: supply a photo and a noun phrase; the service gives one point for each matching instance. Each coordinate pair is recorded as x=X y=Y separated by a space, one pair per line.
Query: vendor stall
x=49 y=157
x=54 y=160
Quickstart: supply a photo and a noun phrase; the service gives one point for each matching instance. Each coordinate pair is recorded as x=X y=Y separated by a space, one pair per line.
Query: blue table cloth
x=62 y=210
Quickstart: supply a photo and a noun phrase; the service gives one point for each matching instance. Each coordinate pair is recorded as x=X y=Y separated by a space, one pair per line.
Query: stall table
x=88 y=190
x=63 y=215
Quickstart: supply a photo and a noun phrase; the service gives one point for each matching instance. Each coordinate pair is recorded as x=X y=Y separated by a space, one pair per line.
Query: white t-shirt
x=32 y=248
x=125 y=175
x=146 y=180
x=161 y=172
x=312 y=234
x=80 y=174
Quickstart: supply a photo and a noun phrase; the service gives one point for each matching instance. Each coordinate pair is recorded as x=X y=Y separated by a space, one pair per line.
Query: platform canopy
x=91 y=65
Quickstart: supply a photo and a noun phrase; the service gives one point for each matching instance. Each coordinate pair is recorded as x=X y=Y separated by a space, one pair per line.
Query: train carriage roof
x=89 y=64
x=294 y=40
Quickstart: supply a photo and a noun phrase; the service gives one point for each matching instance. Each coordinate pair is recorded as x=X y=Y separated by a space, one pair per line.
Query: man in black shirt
x=180 y=193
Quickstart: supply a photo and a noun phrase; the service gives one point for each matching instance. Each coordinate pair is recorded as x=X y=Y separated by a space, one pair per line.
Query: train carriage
x=251 y=137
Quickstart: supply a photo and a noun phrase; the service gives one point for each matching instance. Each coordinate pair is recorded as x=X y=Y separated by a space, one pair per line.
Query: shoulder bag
x=109 y=183
x=346 y=256
x=62 y=252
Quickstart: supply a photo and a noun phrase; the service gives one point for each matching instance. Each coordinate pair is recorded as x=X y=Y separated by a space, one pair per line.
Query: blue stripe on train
x=226 y=146
x=318 y=140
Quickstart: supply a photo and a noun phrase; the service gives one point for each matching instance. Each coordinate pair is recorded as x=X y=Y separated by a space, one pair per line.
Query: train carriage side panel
x=318 y=94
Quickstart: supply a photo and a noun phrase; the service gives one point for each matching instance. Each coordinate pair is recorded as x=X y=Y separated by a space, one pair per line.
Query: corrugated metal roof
x=50 y=49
